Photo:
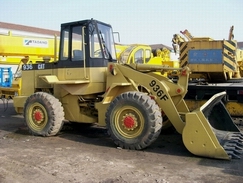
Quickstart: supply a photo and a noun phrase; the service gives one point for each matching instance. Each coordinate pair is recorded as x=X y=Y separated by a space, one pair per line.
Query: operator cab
x=86 y=43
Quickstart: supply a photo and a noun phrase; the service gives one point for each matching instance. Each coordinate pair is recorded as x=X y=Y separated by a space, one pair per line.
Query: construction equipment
x=209 y=60
x=15 y=47
x=143 y=54
x=216 y=66
x=88 y=85
x=134 y=53
x=5 y=77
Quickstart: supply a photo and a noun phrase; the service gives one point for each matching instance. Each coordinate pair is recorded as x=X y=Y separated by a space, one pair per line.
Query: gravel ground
x=86 y=154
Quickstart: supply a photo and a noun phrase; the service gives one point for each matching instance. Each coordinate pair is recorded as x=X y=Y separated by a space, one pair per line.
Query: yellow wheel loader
x=88 y=85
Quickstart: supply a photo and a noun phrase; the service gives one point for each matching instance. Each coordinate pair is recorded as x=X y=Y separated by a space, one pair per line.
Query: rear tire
x=133 y=120
x=43 y=114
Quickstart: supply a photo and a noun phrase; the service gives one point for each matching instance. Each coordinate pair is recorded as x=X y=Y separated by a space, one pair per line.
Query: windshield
x=107 y=41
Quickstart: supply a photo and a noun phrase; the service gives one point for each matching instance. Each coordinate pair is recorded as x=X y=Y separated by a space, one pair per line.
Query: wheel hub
x=129 y=122
x=38 y=116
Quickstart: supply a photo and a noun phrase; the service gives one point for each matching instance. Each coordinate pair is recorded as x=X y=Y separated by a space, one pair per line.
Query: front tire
x=133 y=120
x=43 y=114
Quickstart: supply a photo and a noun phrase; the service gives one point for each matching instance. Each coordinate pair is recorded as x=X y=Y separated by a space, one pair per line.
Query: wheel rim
x=37 y=116
x=129 y=122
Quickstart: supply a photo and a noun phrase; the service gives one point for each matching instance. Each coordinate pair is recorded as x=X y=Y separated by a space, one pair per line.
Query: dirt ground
x=86 y=154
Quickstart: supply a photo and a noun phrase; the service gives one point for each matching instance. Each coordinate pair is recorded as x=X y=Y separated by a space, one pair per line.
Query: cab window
x=147 y=55
x=77 y=50
x=95 y=48
x=72 y=44
x=64 y=44
x=138 y=57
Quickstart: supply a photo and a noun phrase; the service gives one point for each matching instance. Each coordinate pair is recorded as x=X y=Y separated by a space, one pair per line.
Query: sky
x=137 y=21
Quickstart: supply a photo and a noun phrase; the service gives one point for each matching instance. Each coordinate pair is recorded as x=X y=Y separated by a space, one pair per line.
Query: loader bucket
x=210 y=131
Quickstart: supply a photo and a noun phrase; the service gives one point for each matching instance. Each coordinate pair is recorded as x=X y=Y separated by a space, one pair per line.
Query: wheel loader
x=88 y=85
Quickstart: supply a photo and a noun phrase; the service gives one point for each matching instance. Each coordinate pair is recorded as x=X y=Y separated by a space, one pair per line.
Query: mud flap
x=211 y=132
